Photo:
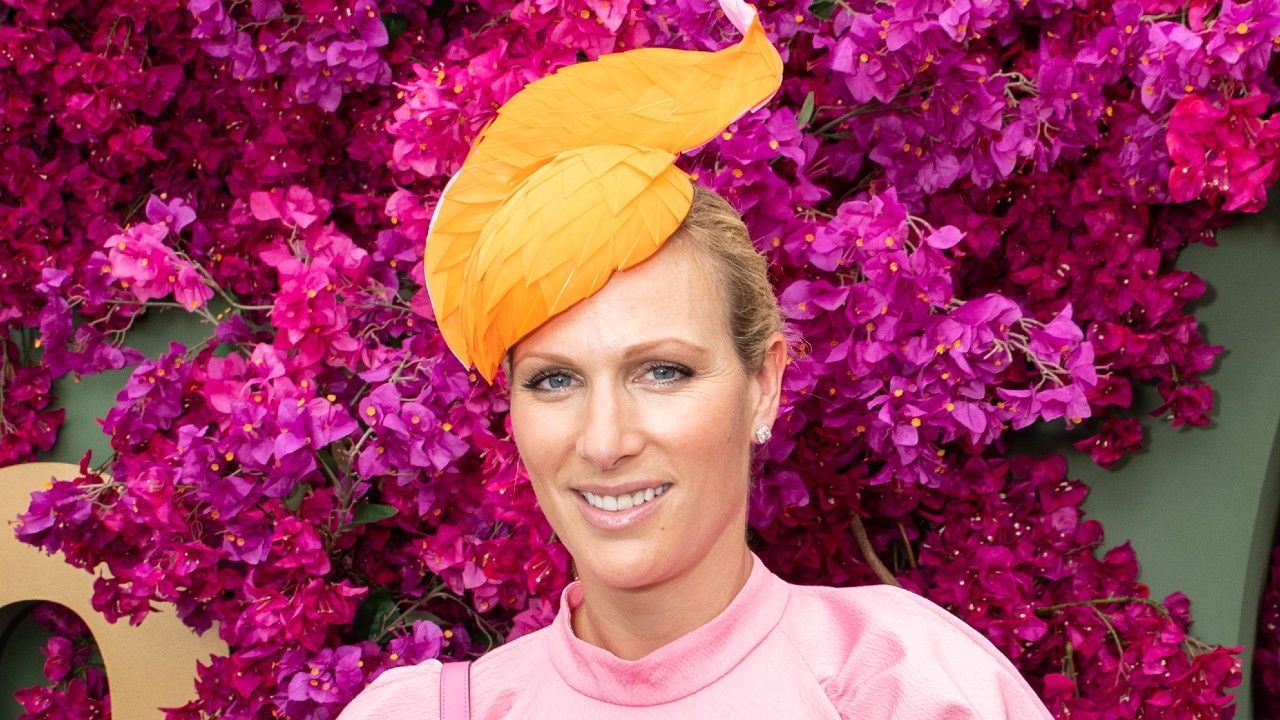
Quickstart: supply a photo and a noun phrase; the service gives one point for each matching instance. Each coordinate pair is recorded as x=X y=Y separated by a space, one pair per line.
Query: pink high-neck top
x=777 y=651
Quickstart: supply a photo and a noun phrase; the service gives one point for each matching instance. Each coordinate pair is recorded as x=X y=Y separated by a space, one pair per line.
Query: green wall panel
x=21 y=663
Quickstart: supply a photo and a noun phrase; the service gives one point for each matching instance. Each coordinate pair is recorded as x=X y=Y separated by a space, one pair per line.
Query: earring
x=763 y=433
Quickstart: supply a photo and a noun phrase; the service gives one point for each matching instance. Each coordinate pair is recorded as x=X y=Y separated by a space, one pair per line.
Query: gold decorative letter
x=149 y=666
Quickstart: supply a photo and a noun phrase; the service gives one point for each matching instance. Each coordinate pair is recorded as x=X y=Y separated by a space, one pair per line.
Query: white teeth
x=614 y=503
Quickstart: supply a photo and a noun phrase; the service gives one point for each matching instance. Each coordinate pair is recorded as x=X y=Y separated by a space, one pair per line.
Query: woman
x=644 y=358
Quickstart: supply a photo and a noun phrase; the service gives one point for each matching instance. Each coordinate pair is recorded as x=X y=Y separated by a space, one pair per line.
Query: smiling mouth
x=618 y=503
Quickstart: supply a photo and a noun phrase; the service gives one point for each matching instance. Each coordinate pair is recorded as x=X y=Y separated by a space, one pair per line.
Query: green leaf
x=418 y=615
x=396 y=24
x=439 y=9
x=294 y=499
x=806 y=111
x=822 y=9
x=372 y=512
x=373 y=613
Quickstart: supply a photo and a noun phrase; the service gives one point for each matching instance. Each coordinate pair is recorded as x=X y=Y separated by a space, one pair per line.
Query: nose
x=610 y=431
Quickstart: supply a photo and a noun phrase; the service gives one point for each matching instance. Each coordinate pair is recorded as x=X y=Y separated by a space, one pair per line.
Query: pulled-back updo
x=714 y=230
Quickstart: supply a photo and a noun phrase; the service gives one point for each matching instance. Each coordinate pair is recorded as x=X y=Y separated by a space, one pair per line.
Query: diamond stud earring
x=763 y=433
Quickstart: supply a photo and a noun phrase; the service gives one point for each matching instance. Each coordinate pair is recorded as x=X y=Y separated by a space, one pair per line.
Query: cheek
x=706 y=434
x=543 y=440
x=533 y=457
x=525 y=430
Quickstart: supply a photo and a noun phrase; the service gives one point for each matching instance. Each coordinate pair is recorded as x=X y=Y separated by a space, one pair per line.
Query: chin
x=623 y=564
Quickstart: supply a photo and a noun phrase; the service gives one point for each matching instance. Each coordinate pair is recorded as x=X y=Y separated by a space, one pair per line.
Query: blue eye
x=559 y=381
x=668 y=373
x=661 y=374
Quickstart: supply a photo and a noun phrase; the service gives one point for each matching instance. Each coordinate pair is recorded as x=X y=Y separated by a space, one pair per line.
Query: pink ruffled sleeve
x=913 y=660
x=404 y=693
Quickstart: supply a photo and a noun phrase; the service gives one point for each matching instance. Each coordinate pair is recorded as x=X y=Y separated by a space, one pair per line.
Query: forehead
x=670 y=295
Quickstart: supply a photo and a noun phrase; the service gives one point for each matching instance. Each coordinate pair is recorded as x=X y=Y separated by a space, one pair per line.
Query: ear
x=768 y=381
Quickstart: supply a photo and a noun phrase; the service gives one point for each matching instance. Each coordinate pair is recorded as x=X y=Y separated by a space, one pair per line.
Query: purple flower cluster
x=910 y=370
x=1266 y=656
x=27 y=424
x=1227 y=156
x=1083 y=625
x=78 y=687
x=972 y=212
x=316 y=51
x=1064 y=238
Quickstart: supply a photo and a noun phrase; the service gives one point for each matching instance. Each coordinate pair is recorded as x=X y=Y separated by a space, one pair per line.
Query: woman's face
x=634 y=400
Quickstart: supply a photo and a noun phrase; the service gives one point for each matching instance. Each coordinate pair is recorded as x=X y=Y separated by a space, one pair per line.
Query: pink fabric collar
x=679 y=668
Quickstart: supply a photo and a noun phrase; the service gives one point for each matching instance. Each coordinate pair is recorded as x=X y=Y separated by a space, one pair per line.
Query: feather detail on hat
x=574 y=179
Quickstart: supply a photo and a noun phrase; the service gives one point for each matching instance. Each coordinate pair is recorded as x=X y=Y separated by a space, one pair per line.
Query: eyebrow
x=630 y=352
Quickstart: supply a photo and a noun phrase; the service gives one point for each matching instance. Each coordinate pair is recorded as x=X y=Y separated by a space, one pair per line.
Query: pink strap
x=455 y=691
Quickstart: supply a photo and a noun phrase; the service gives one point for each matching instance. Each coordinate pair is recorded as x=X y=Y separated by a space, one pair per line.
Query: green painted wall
x=21 y=664
x=1199 y=504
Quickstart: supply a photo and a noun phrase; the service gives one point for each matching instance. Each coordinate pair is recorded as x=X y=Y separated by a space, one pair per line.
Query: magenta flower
x=175 y=213
x=1117 y=438
x=295 y=206
x=423 y=642
x=1223 y=154
x=59 y=657
x=1187 y=405
x=142 y=262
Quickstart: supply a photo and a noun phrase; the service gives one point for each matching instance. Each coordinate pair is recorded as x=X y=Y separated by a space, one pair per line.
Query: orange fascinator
x=575 y=179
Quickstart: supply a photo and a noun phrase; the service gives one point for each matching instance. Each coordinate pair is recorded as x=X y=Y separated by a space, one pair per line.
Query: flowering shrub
x=79 y=685
x=972 y=211
x=1266 y=656
x=1016 y=564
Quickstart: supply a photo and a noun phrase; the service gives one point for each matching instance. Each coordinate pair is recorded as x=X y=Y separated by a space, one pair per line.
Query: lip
x=621 y=519
x=626 y=488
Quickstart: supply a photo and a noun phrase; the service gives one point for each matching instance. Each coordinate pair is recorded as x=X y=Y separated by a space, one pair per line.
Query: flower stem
x=869 y=553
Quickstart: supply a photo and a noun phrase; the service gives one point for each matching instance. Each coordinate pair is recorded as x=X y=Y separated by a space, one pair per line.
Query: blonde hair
x=714 y=230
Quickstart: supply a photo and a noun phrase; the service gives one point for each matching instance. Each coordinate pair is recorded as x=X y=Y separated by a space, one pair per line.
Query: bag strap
x=455 y=691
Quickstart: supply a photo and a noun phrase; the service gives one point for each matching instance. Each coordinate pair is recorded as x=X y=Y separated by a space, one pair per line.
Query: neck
x=633 y=622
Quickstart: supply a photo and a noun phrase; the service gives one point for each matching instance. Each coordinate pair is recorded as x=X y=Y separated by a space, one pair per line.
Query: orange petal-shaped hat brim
x=578 y=219
x=644 y=104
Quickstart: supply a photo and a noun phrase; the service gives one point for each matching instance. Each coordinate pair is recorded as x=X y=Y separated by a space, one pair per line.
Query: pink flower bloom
x=1226 y=155
x=295 y=206
x=1117 y=438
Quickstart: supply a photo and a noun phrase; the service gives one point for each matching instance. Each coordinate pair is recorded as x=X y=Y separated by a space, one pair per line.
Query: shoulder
x=884 y=652
x=401 y=692
x=413 y=691
x=509 y=666
x=891 y=620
